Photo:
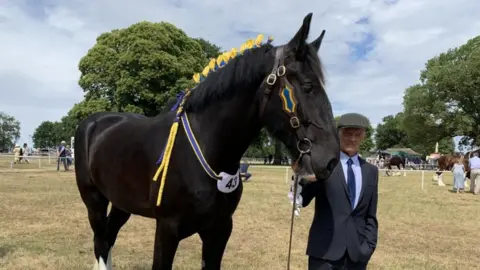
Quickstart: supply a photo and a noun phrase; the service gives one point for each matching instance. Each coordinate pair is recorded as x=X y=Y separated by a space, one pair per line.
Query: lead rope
x=295 y=182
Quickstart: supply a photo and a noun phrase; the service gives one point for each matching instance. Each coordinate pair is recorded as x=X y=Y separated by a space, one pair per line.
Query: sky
x=372 y=50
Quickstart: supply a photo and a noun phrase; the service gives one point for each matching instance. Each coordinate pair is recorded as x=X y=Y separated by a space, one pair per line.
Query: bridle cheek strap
x=287 y=96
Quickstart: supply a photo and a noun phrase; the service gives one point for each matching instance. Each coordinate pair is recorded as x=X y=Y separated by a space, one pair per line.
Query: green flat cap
x=353 y=120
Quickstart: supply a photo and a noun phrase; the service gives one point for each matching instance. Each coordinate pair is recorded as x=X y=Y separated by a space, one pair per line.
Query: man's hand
x=298 y=199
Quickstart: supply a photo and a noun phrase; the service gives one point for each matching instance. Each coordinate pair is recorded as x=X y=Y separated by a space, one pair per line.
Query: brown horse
x=446 y=162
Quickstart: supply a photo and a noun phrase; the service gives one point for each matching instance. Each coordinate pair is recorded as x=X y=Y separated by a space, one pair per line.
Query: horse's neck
x=225 y=131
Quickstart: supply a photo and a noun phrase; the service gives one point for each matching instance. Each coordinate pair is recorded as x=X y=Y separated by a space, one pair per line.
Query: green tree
x=390 y=133
x=9 y=131
x=209 y=50
x=367 y=144
x=261 y=146
x=81 y=110
x=138 y=68
x=48 y=134
x=446 y=102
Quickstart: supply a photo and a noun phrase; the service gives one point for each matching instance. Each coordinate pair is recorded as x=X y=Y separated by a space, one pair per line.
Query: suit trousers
x=475 y=181
x=344 y=264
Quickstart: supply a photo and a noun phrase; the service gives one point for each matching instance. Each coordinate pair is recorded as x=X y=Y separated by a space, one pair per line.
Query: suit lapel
x=343 y=180
x=364 y=169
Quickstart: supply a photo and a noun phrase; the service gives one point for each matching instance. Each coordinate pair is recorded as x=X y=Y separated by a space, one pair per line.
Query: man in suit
x=344 y=231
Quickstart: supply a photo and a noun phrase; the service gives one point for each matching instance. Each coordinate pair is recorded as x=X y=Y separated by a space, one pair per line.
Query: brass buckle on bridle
x=281 y=71
x=294 y=122
x=271 y=79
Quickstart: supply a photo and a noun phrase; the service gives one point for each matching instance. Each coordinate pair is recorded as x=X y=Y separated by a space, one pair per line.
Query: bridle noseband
x=285 y=90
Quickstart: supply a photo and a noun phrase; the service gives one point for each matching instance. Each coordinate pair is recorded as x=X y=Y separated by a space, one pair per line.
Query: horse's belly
x=125 y=190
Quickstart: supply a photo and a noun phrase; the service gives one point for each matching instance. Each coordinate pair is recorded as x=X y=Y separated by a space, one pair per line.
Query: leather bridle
x=277 y=79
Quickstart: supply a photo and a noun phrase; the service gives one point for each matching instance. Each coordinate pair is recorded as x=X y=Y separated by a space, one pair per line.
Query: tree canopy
x=49 y=134
x=446 y=102
x=391 y=133
x=9 y=131
x=137 y=69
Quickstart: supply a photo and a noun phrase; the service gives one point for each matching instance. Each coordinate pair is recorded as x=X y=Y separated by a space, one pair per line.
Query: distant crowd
x=63 y=154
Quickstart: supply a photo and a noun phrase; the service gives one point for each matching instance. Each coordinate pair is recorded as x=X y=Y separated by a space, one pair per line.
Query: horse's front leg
x=214 y=241
x=166 y=244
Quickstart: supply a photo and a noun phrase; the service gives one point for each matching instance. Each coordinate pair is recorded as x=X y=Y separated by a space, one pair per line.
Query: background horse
x=397 y=161
x=444 y=163
x=281 y=88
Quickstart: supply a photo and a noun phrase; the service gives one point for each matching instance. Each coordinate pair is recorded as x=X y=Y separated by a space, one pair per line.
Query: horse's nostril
x=331 y=165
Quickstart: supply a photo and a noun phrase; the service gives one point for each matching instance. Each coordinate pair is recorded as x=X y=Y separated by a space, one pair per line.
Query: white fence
x=49 y=160
x=383 y=172
x=37 y=161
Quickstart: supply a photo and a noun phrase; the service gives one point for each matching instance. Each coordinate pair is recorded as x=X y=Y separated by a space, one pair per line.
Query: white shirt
x=357 y=171
x=474 y=163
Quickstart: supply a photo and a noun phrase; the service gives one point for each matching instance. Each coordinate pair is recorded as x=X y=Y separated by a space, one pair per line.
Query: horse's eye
x=307 y=85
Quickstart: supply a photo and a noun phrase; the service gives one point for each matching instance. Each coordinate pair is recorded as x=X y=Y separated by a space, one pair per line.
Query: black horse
x=116 y=153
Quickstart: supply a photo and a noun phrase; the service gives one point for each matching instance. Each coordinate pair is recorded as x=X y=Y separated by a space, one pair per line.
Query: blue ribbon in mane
x=179 y=99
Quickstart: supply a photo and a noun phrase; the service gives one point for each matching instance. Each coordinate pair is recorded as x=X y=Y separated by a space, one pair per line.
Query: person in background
x=474 y=164
x=16 y=154
x=244 y=171
x=344 y=231
x=62 y=156
x=458 y=175
x=69 y=156
x=25 y=153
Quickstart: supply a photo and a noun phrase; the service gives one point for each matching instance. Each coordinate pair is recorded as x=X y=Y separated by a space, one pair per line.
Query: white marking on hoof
x=100 y=264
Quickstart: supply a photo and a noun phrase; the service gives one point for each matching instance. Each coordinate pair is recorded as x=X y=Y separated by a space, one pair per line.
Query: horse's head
x=295 y=108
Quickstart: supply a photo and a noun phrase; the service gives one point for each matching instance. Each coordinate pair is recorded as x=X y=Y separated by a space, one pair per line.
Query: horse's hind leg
x=214 y=241
x=97 y=216
x=116 y=219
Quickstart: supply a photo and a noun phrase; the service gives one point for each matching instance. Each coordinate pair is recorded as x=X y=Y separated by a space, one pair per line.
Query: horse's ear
x=318 y=42
x=298 y=43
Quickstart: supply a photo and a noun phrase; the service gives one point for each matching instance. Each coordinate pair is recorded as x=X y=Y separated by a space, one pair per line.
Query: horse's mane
x=237 y=74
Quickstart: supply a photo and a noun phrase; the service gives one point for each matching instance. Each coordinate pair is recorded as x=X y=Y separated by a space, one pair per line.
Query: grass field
x=429 y=229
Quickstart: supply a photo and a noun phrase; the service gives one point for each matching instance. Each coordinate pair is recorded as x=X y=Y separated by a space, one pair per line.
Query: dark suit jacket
x=336 y=228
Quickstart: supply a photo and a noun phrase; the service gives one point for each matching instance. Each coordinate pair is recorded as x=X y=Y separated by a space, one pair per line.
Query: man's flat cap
x=353 y=120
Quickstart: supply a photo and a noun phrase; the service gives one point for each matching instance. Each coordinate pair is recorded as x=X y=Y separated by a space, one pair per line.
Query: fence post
x=286 y=175
x=423 y=178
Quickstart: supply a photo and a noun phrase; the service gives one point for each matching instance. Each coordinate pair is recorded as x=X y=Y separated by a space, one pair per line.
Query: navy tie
x=351 y=182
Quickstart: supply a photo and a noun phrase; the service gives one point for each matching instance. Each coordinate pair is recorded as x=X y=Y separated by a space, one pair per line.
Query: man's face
x=350 y=139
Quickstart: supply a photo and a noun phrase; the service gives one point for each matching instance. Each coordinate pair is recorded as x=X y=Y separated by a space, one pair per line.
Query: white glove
x=298 y=199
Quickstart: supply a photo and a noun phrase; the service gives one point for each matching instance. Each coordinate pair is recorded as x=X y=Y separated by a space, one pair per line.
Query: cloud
x=372 y=50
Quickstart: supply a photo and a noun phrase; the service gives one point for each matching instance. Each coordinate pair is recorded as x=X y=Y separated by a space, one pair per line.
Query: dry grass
x=44 y=226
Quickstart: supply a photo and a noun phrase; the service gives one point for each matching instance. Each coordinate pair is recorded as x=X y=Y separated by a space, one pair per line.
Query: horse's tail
x=83 y=134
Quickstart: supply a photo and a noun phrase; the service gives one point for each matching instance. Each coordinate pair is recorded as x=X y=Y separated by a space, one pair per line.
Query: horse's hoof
x=100 y=264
